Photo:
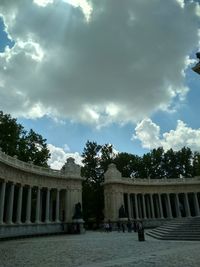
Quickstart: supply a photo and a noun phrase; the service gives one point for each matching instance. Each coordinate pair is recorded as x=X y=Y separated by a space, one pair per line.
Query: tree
x=128 y=164
x=92 y=193
x=185 y=158
x=27 y=146
x=171 y=164
x=10 y=134
x=196 y=164
x=157 y=163
x=95 y=159
x=33 y=148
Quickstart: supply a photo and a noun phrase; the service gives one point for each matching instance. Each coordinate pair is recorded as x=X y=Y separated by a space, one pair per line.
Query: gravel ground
x=98 y=249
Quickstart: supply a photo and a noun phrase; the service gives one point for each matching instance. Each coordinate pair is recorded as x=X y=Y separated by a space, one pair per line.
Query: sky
x=109 y=71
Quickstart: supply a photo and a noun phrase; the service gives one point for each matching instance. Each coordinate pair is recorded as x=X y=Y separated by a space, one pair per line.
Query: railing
x=29 y=167
x=161 y=181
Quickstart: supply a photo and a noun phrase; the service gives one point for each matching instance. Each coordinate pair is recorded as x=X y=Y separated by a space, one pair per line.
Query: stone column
x=187 y=207
x=169 y=210
x=178 y=212
x=67 y=200
x=136 y=207
x=129 y=206
x=38 y=206
x=2 y=201
x=47 y=206
x=160 y=206
x=51 y=206
x=140 y=205
x=196 y=204
x=19 y=204
x=157 y=206
x=148 y=208
x=144 y=206
x=28 y=205
x=152 y=207
x=10 y=204
x=58 y=205
x=114 y=206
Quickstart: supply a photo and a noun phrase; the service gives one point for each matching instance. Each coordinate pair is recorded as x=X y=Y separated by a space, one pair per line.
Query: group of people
x=135 y=226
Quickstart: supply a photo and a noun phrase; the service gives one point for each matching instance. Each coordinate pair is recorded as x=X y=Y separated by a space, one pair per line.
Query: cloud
x=59 y=157
x=149 y=134
x=123 y=63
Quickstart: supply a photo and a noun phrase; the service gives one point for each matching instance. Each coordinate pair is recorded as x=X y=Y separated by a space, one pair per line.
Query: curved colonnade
x=37 y=200
x=152 y=201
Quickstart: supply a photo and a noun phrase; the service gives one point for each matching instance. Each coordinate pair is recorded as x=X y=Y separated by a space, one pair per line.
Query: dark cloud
x=122 y=65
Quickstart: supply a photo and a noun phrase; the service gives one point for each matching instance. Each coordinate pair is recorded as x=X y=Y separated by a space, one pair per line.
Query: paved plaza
x=98 y=249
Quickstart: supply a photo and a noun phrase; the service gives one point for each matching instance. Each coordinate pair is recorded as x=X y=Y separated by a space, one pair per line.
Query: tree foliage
x=95 y=159
x=16 y=141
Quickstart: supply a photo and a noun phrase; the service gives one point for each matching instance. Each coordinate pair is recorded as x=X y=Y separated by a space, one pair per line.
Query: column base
x=28 y=222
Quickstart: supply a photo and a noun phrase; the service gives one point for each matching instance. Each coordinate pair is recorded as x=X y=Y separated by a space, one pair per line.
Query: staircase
x=178 y=229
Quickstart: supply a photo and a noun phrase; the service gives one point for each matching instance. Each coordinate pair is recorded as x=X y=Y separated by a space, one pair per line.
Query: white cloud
x=59 y=157
x=43 y=3
x=122 y=65
x=149 y=134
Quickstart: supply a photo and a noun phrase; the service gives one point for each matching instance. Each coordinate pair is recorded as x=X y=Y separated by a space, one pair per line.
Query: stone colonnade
x=35 y=196
x=25 y=204
x=150 y=199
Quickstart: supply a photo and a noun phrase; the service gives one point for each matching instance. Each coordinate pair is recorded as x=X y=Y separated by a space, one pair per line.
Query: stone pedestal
x=79 y=227
x=124 y=220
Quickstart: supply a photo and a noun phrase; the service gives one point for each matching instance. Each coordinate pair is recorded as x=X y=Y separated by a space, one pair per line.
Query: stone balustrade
x=29 y=167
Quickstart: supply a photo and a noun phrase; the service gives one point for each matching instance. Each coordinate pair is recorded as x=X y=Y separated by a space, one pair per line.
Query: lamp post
x=196 y=68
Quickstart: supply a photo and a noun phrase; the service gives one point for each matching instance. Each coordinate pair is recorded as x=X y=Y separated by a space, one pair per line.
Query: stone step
x=177 y=232
x=179 y=229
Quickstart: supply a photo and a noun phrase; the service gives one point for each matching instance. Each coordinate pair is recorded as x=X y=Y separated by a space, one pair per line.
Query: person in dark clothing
x=123 y=228
x=118 y=226
x=129 y=226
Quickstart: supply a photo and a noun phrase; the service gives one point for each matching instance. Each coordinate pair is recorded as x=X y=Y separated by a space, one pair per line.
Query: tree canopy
x=28 y=146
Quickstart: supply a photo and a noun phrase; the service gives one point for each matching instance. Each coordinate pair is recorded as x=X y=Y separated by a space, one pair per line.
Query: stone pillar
x=129 y=206
x=152 y=206
x=114 y=206
x=10 y=204
x=169 y=210
x=58 y=205
x=2 y=201
x=51 y=206
x=148 y=207
x=196 y=204
x=187 y=207
x=47 y=206
x=178 y=212
x=67 y=200
x=160 y=206
x=28 y=205
x=140 y=205
x=157 y=206
x=144 y=206
x=19 y=204
x=136 y=207
x=38 y=206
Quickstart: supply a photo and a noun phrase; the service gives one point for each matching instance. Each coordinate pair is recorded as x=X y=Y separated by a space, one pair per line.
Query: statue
x=122 y=213
x=77 y=213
